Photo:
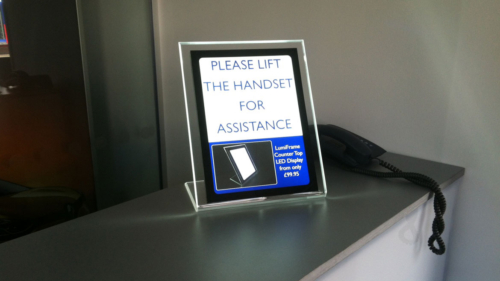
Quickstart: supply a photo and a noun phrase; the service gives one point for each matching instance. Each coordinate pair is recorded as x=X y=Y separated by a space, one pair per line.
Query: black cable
x=422 y=180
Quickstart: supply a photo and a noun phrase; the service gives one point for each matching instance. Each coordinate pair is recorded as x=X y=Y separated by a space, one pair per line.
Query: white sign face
x=249 y=98
x=248 y=105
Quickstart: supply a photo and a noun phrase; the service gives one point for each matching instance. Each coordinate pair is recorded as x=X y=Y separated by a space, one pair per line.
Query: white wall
x=396 y=72
x=400 y=252
x=472 y=140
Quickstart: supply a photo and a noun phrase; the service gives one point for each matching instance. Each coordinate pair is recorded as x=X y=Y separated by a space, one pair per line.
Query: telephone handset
x=353 y=152
x=346 y=147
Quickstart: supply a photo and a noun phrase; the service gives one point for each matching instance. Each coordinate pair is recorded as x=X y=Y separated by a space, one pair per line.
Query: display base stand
x=198 y=196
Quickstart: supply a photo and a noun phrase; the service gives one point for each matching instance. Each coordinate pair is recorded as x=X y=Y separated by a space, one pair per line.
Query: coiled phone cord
x=422 y=180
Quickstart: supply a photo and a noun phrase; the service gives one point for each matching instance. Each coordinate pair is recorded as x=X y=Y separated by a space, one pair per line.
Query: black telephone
x=353 y=153
x=346 y=147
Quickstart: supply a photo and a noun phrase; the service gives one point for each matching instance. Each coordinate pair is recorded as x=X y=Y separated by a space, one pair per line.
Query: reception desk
x=161 y=237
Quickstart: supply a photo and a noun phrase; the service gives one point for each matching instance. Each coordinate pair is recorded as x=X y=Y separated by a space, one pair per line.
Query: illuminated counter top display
x=161 y=237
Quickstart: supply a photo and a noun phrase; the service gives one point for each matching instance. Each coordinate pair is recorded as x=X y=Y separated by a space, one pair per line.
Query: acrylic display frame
x=196 y=188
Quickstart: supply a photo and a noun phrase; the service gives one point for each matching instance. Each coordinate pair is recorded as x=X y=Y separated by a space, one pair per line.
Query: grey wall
x=376 y=68
x=416 y=77
x=118 y=55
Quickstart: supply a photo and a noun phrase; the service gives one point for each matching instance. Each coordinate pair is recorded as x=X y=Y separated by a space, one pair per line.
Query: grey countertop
x=161 y=237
